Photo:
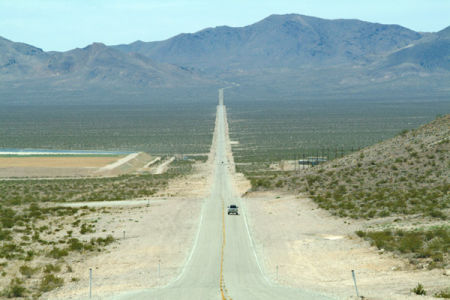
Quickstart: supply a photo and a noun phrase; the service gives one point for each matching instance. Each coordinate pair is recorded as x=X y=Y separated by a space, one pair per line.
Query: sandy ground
x=161 y=168
x=312 y=249
x=57 y=162
x=118 y=162
x=72 y=167
x=152 y=235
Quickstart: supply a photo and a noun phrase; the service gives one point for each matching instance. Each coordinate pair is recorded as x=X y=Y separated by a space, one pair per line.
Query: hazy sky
x=67 y=24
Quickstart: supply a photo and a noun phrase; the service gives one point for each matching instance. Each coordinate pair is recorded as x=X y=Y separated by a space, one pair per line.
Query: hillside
x=289 y=52
x=431 y=54
x=94 y=64
x=408 y=174
x=279 y=41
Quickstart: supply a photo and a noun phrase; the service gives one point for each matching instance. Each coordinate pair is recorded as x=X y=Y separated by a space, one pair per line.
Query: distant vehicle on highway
x=233 y=210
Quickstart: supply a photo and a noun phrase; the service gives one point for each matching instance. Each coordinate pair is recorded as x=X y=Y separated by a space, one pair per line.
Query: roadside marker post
x=354 y=280
x=277 y=272
x=159 y=271
x=90 y=282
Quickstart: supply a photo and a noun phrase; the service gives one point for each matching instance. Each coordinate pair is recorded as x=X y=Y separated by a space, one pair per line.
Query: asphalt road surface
x=223 y=263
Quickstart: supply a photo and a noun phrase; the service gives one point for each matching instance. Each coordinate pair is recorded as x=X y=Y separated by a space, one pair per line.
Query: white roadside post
x=277 y=272
x=354 y=280
x=90 y=282
x=159 y=271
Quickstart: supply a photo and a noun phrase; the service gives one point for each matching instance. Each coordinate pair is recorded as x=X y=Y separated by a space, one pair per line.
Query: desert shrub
x=7 y=217
x=437 y=214
x=104 y=241
x=431 y=245
x=5 y=235
x=50 y=282
x=30 y=255
x=85 y=228
x=381 y=239
x=15 y=289
x=445 y=293
x=27 y=271
x=49 y=268
x=360 y=233
x=58 y=253
x=10 y=250
x=419 y=290
x=311 y=179
x=75 y=244
x=410 y=242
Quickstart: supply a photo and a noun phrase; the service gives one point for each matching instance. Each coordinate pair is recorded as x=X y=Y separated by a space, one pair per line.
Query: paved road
x=222 y=264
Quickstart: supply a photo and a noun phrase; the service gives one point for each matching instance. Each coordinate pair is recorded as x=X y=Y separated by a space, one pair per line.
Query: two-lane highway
x=222 y=264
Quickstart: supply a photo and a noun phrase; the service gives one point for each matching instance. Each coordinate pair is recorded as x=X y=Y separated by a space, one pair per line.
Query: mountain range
x=279 y=45
x=93 y=64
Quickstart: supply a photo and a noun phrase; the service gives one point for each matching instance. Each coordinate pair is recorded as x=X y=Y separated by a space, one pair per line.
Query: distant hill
x=279 y=41
x=431 y=54
x=289 y=52
x=95 y=63
x=19 y=59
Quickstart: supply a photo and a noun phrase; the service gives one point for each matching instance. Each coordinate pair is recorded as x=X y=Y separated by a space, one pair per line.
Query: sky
x=62 y=25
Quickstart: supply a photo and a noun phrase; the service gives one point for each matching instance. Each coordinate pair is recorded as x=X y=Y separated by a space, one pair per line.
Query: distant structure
x=312 y=161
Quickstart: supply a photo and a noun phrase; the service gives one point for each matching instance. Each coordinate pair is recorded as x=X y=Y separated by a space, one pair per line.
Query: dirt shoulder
x=156 y=234
x=317 y=251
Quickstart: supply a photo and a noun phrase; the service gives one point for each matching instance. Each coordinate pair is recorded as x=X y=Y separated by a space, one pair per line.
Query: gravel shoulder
x=315 y=250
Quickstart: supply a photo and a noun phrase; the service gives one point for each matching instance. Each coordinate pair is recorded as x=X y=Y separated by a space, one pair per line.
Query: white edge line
x=253 y=243
x=194 y=247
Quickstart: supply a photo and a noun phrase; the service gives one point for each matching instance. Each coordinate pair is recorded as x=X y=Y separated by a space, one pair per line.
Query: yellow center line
x=222 y=282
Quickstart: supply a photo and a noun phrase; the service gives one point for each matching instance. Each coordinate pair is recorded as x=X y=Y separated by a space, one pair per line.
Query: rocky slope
x=406 y=175
x=279 y=41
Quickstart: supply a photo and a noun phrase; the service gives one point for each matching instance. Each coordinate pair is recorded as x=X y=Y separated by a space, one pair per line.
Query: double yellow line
x=223 y=290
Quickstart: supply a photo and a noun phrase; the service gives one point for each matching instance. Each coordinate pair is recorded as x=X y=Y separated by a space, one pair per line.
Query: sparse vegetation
x=419 y=290
x=424 y=248
x=156 y=127
x=50 y=282
x=19 y=192
x=90 y=189
x=445 y=293
x=286 y=127
x=401 y=176
x=33 y=231
x=27 y=271
x=15 y=289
